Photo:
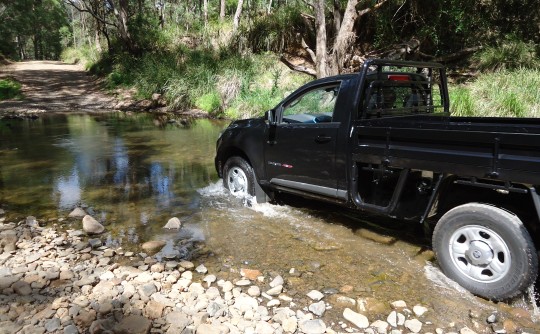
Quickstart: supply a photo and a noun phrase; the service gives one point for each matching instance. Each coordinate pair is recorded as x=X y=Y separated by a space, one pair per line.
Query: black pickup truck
x=383 y=141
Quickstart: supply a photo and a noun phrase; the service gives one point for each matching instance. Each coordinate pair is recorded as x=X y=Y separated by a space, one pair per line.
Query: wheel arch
x=227 y=153
x=522 y=204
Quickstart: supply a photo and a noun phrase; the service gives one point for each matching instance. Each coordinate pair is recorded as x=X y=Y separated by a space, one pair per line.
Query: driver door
x=300 y=152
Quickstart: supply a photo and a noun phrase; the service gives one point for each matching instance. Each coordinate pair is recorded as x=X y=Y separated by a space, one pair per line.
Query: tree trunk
x=345 y=36
x=221 y=10
x=320 y=51
x=121 y=14
x=205 y=12
x=237 y=14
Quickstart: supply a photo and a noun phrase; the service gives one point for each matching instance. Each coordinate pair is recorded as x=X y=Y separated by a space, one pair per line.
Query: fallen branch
x=298 y=68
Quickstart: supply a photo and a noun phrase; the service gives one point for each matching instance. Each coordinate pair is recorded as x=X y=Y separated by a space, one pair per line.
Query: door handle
x=323 y=139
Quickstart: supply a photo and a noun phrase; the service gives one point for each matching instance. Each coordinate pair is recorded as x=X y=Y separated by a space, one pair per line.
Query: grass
x=10 y=89
x=506 y=93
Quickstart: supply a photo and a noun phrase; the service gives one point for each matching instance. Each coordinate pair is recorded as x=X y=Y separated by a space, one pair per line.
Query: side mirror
x=270 y=117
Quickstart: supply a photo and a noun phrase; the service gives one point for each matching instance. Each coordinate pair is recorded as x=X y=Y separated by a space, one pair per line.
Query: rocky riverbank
x=56 y=281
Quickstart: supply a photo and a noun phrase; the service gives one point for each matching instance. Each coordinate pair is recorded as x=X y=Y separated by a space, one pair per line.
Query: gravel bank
x=54 y=281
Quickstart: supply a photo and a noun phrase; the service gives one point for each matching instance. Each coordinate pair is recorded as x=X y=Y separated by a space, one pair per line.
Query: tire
x=238 y=177
x=486 y=250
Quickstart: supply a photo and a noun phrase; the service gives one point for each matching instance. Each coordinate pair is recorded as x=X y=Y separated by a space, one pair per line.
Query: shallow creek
x=135 y=172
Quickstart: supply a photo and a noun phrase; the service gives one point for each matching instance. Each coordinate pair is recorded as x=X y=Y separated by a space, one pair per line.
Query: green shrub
x=510 y=54
x=210 y=102
x=9 y=89
x=462 y=103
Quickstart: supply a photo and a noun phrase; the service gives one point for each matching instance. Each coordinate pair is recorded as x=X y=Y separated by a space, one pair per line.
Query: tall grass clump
x=85 y=55
x=10 y=89
x=508 y=93
x=509 y=54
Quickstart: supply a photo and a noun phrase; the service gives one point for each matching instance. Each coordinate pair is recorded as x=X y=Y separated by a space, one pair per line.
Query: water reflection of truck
x=383 y=141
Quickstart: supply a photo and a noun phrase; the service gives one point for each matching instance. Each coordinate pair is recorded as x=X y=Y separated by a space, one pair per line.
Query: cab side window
x=314 y=106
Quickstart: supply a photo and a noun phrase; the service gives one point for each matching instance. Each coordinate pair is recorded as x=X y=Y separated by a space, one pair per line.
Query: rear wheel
x=486 y=250
x=238 y=177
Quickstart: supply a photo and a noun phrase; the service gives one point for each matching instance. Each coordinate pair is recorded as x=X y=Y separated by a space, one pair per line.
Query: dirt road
x=54 y=86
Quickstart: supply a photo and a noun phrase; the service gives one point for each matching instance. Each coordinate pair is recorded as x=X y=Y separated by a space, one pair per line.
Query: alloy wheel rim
x=237 y=181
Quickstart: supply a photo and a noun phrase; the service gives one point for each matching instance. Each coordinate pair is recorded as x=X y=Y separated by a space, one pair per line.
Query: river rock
x=153 y=246
x=22 y=288
x=8 y=239
x=92 y=226
x=250 y=274
x=133 y=324
x=419 y=310
x=52 y=325
x=77 y=213
x=277 y=281
x=359 y=320
x=395 y=319
x=317 y=308
x=315 y=295
x=173 y=223
x=289 y=325
x=201 y=269
x=316 y=326
x=466 y=330
x=414 y=325
x=275 y=291
x=31 y=221
x=398 y=304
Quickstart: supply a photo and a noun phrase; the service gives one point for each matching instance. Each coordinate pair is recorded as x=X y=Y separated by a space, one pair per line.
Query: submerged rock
x=173 y=223
x=77 y=213
x=154 y=245
x=92 y=226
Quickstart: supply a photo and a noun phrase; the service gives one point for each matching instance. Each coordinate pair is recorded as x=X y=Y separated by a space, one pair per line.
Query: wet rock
x=398 y=304
x=201 y=269
x=85 y=318
x=413 y=325
x=153 y=246
x=95 y=243
x=371 y=305
x=92 y=226
x=250 y=274
x=52 y=325
x=359 y=320
x=173 y=223
x=370 y=235
x=210 y=279
x=22 y=288
x=316 y=326
x=8 y=239
x=492 y=318
x=77 y=213
x=133 y=324
x=31 y=221
x=186 y=264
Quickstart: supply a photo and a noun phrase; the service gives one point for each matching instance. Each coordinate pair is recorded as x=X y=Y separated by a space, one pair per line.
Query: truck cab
x=383 y=141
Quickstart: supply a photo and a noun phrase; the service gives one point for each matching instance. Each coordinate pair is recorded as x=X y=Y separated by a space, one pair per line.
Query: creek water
x=134 y=172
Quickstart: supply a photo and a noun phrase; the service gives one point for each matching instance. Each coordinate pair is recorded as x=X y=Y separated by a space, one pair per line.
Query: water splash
x=532 y=295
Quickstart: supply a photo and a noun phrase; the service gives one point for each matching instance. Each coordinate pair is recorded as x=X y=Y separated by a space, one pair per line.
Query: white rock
x=317 y=308
x=289 y=325
x=227 y=286
x=316 y=326
x=466 y=330
x=380 y=326
x=414 y=325
x=419 y=310
x=187 y=275
x=243 y=282
x=359 y=320
x=201 y=269
x=210 y=279
x=275 y=291
x=277 y=281
x=254 y=291
x=273 y=303
x=315 y=295
x=92 y=226
x=173 y=223
x=395 y=319
x=399 y=304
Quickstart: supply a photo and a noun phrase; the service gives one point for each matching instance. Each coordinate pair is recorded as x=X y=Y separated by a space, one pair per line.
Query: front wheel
x=486 y=250
x=238 y=177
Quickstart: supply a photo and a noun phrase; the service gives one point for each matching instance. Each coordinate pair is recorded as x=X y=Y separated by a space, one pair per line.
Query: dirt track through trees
x=54 y=86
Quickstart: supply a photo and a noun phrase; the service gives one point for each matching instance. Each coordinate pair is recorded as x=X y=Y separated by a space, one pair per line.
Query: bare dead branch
x=457 y=55
x=370 y=9
x=309 y=51
x=298 y=68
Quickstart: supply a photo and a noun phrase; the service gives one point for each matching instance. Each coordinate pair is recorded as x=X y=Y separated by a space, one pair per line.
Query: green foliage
x=9 y=89
x=507 y=93
x=209 y=102
x=509 y=54
x=86 y=55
